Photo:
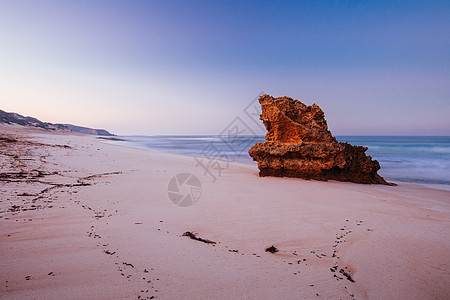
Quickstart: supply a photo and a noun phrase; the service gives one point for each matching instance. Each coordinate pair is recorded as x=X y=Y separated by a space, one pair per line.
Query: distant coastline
x=17 y=119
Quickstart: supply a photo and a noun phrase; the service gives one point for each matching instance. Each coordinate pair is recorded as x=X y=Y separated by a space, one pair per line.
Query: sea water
x=415 y=159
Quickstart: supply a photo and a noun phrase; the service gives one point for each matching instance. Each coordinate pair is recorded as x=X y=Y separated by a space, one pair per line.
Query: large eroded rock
x=299 y=144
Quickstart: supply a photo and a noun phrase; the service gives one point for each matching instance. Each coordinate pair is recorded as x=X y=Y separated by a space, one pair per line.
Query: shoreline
x=130 y=144
x=106 y=223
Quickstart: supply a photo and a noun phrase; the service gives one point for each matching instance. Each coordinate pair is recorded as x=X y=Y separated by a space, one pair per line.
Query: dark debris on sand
x=272 y=249
x=195 y=237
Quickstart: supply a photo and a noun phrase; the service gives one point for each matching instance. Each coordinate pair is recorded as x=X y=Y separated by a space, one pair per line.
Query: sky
x=191 y=67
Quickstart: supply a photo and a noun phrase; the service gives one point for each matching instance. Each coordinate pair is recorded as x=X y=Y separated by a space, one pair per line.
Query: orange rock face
x=299 y=144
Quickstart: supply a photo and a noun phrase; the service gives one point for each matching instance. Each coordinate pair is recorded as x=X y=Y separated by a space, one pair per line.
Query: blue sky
x=190 y=67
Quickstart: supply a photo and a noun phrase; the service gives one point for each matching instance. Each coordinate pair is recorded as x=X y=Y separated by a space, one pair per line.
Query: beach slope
x=84 y=218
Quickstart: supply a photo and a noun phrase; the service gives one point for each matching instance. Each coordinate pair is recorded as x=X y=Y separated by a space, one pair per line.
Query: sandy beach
x=82 y=218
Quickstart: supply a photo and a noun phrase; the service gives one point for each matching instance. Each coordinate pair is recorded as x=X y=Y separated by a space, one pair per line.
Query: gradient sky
x=191 y=67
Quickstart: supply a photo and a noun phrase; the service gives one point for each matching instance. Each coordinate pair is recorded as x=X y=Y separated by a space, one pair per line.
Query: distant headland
x=14 y=118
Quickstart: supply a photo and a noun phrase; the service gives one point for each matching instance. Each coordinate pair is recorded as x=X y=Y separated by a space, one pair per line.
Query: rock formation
x=299 y=144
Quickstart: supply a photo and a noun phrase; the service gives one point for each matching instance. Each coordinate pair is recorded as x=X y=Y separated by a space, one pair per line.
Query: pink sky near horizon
x=179 y=68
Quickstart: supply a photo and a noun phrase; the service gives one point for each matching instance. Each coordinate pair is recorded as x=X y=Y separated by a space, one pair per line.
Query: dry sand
x=84 y=219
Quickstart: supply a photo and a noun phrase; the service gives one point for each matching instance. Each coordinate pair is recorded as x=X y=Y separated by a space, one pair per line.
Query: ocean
x=415 y=159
